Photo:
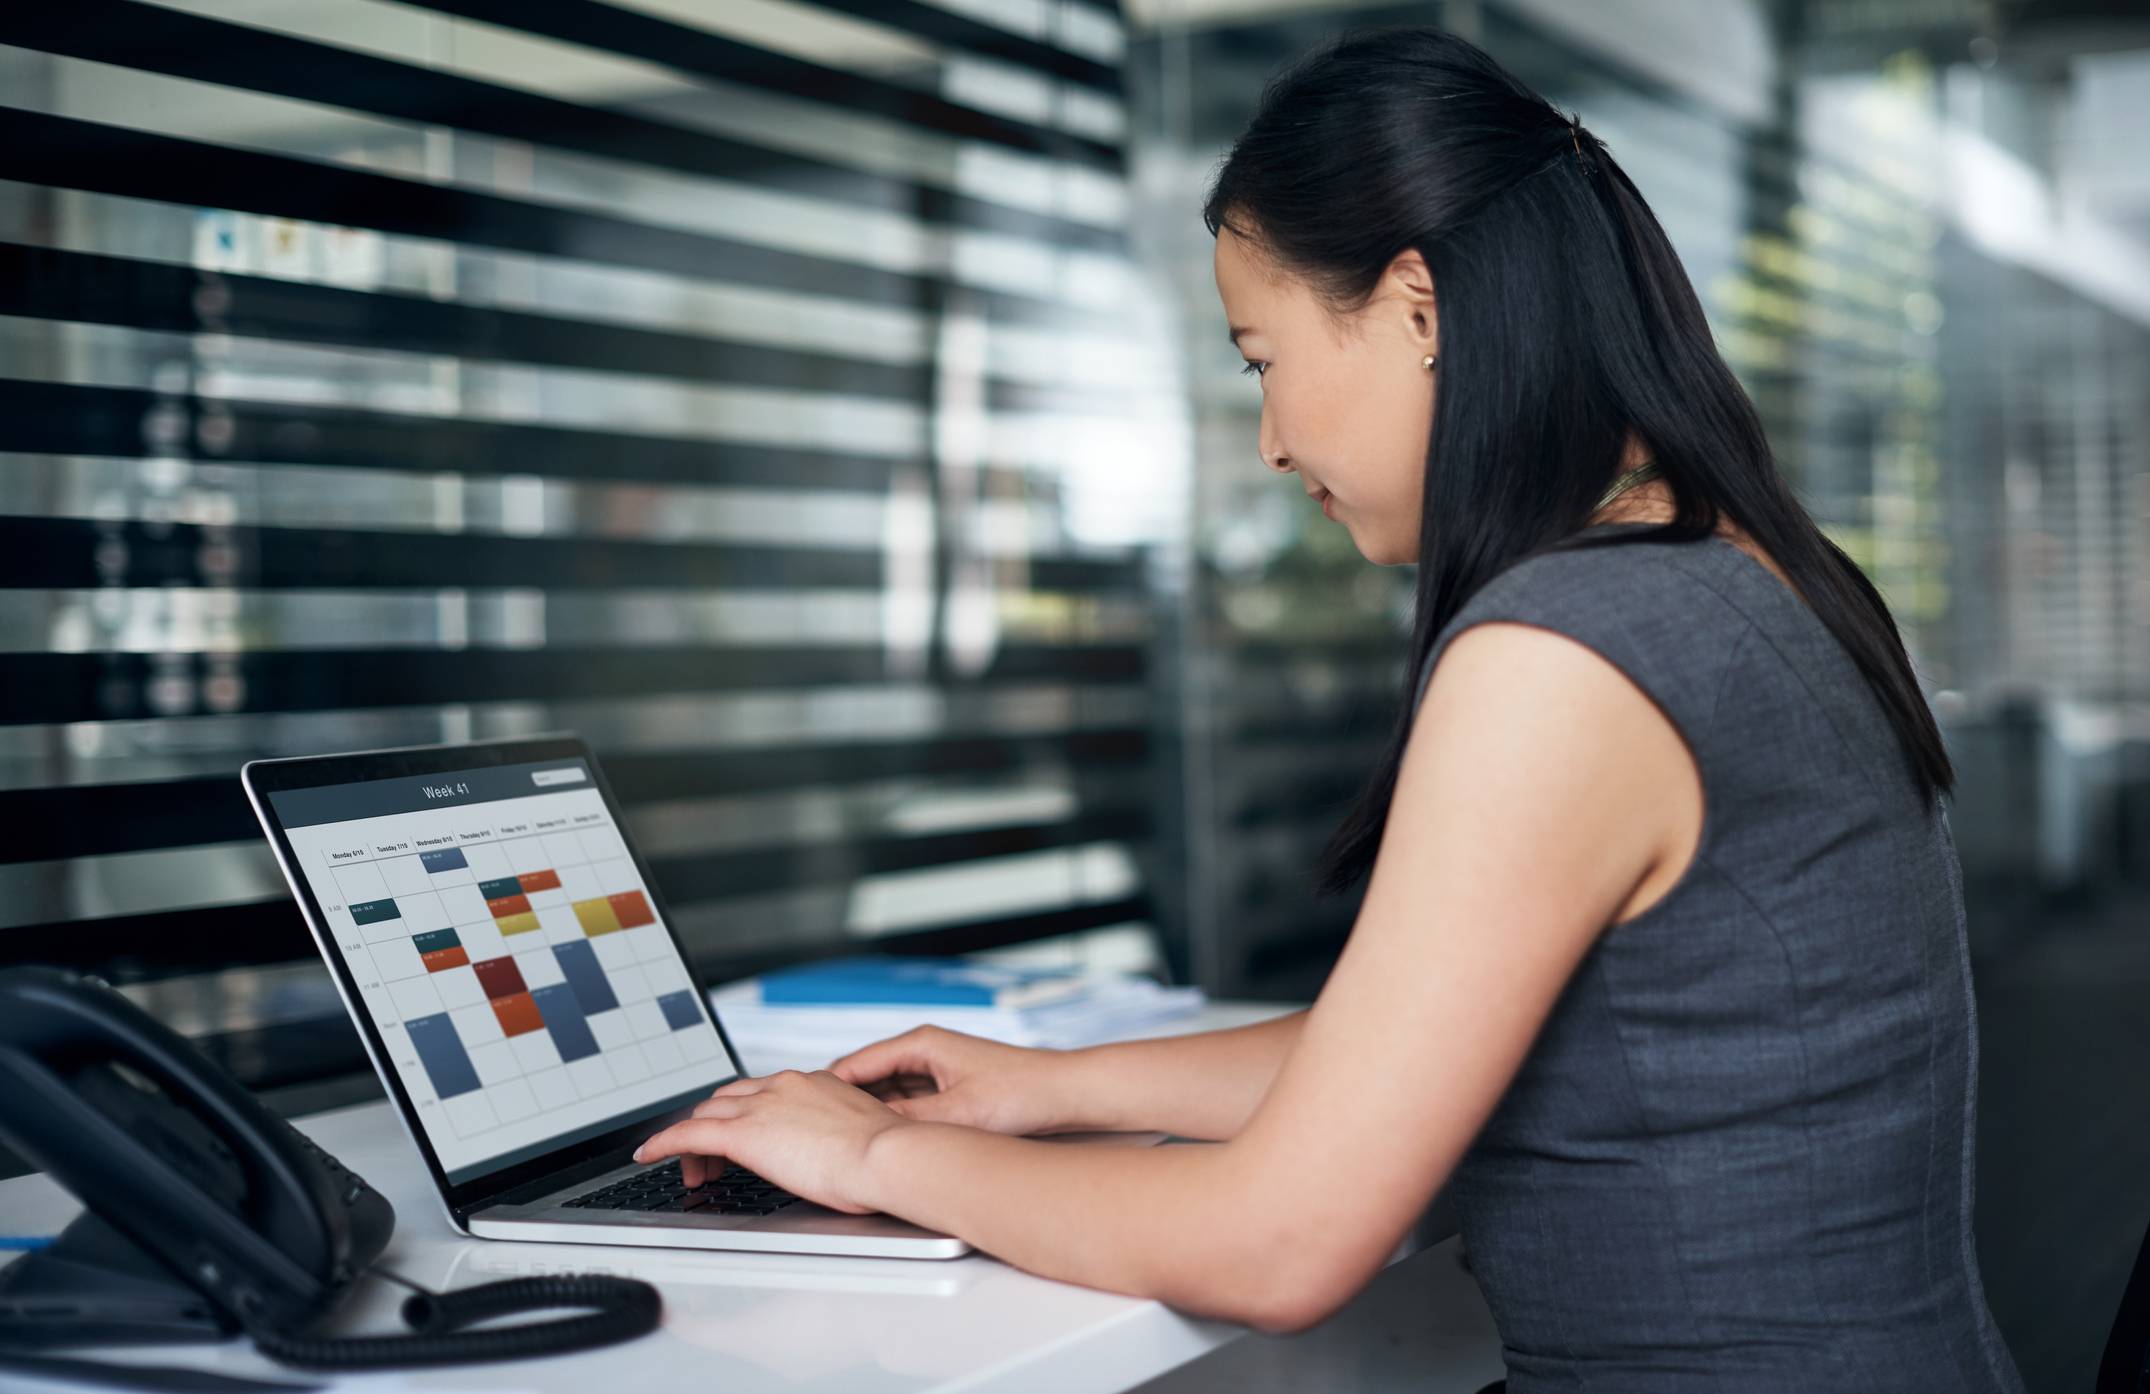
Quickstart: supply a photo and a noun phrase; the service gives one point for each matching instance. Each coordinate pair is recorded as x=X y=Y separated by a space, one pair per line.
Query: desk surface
x=736 y=1322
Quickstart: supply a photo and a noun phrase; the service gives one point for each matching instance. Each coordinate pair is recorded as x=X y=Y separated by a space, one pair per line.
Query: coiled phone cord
x=619 y=1310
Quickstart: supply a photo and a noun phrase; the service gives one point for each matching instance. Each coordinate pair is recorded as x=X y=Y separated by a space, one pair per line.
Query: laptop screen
x=527 y=995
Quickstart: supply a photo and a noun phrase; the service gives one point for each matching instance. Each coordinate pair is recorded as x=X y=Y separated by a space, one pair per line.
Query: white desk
x=758 y=1323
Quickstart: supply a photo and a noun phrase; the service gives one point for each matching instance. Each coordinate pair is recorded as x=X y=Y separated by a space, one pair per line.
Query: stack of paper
x=802 y=1018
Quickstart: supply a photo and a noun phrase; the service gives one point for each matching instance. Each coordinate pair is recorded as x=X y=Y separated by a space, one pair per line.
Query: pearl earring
x=1427 y=362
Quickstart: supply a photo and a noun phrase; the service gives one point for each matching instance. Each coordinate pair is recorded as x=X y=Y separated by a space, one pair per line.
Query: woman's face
x=1347 y=402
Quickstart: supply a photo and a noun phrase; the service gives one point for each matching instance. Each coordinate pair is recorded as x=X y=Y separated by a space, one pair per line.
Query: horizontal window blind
x=758 y=390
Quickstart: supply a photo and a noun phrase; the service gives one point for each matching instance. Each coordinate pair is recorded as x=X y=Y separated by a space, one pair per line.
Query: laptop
x=524 y=998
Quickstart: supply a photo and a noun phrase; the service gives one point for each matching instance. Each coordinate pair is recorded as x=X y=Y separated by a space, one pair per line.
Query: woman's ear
x=1410 y=281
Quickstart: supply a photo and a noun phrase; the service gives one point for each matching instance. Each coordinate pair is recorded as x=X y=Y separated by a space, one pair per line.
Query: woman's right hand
x=940 y=1076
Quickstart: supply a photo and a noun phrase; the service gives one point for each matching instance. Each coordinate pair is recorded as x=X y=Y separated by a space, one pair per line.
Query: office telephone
x=208 y=1216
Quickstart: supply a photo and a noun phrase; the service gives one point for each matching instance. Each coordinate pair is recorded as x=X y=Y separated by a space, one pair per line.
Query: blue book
x=877 y=981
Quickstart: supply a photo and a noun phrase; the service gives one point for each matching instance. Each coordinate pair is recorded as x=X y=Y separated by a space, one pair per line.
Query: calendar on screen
x=510 y=956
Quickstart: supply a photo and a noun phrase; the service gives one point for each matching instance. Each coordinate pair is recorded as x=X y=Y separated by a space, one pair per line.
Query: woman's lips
x=1325 y=498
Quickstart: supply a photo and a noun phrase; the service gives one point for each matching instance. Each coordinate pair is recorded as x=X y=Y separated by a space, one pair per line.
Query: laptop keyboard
x=736 y=1191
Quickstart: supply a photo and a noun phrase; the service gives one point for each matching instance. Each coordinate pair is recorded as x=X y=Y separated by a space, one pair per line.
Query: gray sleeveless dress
x=1739 y=1155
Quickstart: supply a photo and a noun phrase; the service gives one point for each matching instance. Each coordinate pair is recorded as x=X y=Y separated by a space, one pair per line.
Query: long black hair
x=1566 y=322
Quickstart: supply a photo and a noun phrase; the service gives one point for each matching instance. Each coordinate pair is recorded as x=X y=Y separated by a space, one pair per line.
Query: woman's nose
x=1268 y=447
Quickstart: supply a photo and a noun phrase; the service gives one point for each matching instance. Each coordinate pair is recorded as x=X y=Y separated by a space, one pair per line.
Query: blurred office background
x=825 y=408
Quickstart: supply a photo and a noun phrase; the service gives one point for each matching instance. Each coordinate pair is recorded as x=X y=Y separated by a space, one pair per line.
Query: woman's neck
x=1647 y=501
x=1652 y=501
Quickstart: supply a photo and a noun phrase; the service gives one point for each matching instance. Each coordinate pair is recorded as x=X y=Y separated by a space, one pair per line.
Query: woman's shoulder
x=1677 y=583
x=1668 y=614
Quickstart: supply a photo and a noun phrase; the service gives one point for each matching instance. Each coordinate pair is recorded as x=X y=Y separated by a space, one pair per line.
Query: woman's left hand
x=808 y=1133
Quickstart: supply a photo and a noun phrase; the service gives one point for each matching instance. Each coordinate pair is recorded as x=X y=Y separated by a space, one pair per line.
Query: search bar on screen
x=574 y=775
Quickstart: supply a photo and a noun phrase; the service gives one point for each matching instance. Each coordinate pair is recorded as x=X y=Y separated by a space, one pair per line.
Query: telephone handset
x=209 y=1215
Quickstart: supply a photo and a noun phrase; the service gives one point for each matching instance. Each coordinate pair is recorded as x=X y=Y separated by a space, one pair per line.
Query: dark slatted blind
x=752 y=387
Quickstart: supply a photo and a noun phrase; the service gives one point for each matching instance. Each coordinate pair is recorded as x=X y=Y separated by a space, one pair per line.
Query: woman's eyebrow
x=1239 y=329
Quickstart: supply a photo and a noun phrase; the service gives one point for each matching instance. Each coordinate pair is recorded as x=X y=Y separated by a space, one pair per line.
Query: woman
x=1660 y=962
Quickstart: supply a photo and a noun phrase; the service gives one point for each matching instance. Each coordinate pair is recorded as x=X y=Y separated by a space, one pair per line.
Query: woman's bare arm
x=1532 y=804
x=1202 y=1086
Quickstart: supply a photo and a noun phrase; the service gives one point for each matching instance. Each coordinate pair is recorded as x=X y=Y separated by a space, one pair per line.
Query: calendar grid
x=527 y=971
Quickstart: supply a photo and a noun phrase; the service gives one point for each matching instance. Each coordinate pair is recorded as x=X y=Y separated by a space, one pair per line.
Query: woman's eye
x=1253 y=370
